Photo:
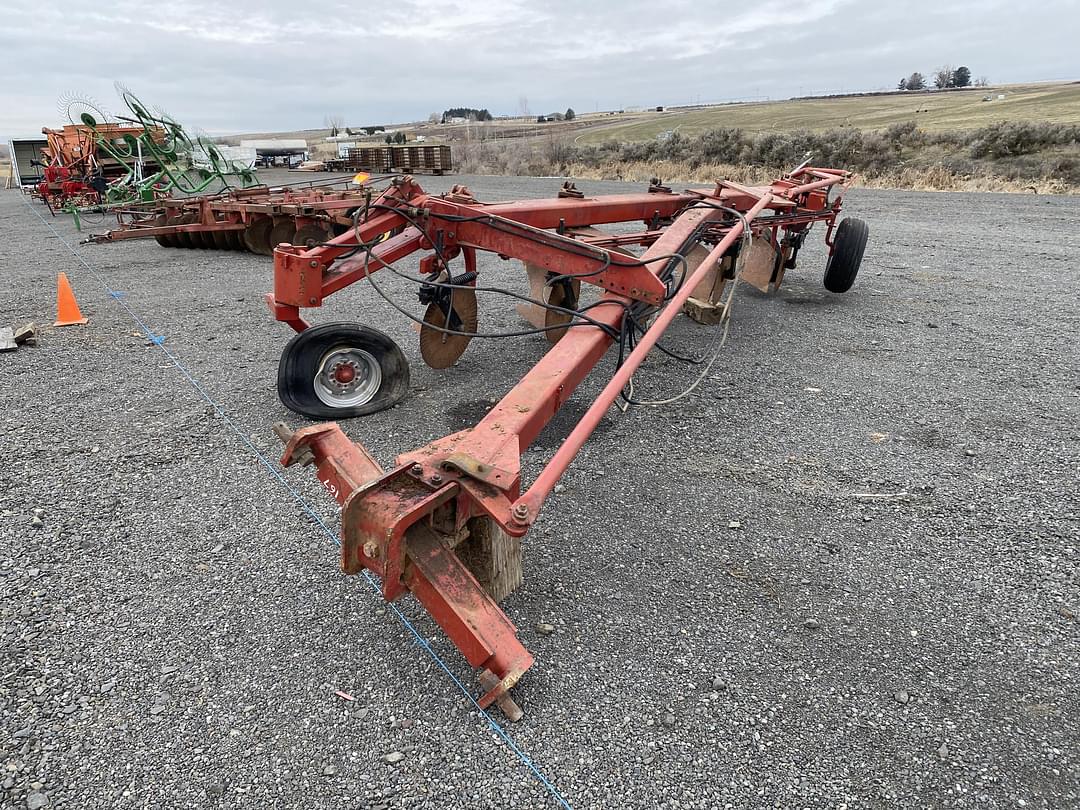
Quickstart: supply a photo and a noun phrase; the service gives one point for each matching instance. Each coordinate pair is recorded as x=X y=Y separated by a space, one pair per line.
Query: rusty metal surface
x=236 y=210
x=453 y=597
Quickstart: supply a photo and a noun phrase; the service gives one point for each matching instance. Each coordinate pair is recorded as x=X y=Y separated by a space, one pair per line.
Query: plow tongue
x=400 y=526
x=468 y=615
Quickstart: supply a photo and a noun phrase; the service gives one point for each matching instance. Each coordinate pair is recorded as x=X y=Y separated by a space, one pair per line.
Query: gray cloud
x=271 y=65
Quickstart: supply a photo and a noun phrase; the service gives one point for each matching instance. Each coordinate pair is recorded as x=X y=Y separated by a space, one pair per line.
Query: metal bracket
x=467 y=465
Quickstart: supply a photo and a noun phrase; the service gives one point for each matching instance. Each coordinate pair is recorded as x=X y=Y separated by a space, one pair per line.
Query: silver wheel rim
x=347 y=377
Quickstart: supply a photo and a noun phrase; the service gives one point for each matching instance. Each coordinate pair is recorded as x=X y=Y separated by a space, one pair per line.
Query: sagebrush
x=1013 y=153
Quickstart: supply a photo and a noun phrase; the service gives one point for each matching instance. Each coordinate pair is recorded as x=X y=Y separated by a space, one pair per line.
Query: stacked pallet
x=389 y=159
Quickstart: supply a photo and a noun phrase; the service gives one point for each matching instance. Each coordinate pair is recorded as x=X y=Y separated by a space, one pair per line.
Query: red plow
x=253 y=219
x=445 y=521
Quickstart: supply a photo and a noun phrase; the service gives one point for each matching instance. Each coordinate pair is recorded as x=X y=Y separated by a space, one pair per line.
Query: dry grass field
x=933 y=112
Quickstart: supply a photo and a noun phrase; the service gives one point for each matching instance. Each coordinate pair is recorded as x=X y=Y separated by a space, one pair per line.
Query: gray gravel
x=718 y=620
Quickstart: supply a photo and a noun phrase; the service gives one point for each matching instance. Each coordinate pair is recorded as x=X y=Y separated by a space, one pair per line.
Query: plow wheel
x=164 y=239
x=186 y=239
x=848 y=247
x=235 y=240
x=339 y=370
x=257 y=236
x=309 y=236
x=283 y=231
x=563 y=294
x=439 y=349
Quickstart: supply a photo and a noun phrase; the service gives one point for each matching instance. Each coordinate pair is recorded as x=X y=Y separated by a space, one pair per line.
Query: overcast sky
x=243 y=65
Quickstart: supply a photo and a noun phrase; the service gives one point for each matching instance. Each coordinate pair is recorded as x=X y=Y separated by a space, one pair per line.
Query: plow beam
x=528 y=506
x=388 y=527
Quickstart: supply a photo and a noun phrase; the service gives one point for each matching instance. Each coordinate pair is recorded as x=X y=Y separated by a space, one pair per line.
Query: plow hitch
x=395 y=525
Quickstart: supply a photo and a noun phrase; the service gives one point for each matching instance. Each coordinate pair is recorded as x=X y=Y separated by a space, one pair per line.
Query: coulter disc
x=283 y=231
x=309 y=236
x=235 y=240
x=165 y=239
x=439 y=349
x=257 y=236
x=186 y=239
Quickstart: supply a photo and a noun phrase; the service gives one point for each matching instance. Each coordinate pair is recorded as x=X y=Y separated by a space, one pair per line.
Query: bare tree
x=943 y=77
x=916 y=81
x=334 y=123
x=434 y=118
x=523 y=105
x=982 y=81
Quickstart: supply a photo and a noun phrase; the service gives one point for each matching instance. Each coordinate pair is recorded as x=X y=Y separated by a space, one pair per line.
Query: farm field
x=1058 y=103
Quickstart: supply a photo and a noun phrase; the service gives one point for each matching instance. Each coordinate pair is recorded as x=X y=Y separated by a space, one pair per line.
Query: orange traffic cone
x=67 y=309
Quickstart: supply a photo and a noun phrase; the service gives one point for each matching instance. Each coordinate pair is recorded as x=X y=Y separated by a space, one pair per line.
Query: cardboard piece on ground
x=7 y=340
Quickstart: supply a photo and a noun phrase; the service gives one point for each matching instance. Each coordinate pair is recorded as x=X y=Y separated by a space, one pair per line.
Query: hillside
x=932 y=111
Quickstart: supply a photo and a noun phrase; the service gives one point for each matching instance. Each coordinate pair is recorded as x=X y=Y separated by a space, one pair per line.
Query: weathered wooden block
x=492 y=556
x=703 y=311
x=27 y=332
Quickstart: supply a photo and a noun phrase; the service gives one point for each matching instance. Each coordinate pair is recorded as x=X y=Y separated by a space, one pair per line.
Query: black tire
x=849 y=243
x=304 y=356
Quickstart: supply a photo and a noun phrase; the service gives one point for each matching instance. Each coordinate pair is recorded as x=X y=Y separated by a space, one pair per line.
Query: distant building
x=281 y=151
x=242 y=155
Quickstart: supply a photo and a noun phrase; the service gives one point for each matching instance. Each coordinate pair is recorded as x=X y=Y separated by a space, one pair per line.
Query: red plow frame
x=253 y=219
x=445 y=521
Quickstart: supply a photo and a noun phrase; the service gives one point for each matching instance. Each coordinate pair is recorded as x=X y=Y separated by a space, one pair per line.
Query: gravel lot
x=734 y=628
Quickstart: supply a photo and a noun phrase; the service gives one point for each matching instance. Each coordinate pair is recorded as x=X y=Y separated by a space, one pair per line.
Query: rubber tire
x=849 y=243
x=301 y=358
